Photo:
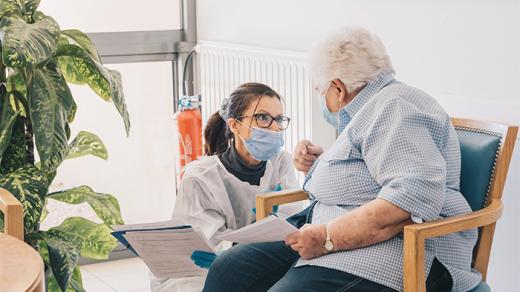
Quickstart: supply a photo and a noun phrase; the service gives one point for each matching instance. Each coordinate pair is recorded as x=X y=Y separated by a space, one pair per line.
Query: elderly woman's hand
x=305 y=154
x=309 y=241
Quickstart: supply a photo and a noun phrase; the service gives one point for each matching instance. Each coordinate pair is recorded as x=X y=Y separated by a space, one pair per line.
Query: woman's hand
x=309 y=241
x=305 y=154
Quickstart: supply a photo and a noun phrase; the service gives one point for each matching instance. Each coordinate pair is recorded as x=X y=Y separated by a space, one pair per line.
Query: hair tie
x=224 y=109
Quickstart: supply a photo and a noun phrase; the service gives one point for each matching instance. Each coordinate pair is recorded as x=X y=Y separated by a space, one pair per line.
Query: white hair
x=352 y=54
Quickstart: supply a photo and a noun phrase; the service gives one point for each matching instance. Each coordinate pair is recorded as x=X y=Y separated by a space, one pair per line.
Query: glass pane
x=114 y=15
x=140 y=171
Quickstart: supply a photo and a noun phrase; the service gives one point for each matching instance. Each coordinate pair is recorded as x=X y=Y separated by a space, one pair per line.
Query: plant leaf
x=76 y=281
x=116 y=87
x=15 y=156
x=7 y=119
x=15 y=81
x=96 y=238
x=26 y=44
x=45 y=212
x=29 y=186
x=43 y=250
x=67 y=131
x=31 y=6
x=51 y=176
x=74 y=284
x=105 y=205
x=50 y=102
x=77 y=287
x=87 y=143
x=82 y=40
x=6 y=127
x=52 y=284
x=18 y=102
x=72 y=113
x=63 y=253
x=80 y=68
x=8 y=7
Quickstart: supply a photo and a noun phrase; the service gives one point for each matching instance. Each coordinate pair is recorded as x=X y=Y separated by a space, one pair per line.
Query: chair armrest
x=416 y=234
x=13 y=214
x=266 y=201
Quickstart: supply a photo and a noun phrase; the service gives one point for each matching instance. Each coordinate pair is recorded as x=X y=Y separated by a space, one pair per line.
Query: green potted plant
x=37 y=61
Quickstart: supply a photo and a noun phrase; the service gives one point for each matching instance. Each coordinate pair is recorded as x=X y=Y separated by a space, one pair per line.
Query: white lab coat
x=213 y=201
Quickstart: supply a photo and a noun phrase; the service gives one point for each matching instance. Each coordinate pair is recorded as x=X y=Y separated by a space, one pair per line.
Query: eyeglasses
x=265 y=121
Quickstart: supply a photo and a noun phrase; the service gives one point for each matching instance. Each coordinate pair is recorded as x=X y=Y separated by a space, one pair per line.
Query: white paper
x=154 y=225
x=272 y=228
x=168 y=252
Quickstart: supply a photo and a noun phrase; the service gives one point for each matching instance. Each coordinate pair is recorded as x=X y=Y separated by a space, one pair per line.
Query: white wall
x=114 y=15
x=465 y=53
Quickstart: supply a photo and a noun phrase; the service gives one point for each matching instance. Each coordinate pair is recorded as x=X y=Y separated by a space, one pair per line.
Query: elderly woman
x=396 y=161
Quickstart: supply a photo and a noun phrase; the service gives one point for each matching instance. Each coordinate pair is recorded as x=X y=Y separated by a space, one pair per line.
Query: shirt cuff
x=416 y=219
x=419 y=208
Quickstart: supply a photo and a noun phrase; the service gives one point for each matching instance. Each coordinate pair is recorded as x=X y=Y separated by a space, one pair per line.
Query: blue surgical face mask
x=330 y=117
x=263 y=144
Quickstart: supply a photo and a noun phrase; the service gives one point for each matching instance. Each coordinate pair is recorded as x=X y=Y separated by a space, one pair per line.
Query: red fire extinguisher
x=189 y=124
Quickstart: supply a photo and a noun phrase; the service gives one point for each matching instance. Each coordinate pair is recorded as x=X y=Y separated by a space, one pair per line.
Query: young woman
x=244 y=157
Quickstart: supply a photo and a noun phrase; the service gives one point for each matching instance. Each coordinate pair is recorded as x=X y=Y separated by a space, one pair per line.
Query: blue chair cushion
x=482 y=287
x=478 y=152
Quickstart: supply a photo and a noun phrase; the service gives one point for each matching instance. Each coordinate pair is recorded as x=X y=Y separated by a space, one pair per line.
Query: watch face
x=328 y=245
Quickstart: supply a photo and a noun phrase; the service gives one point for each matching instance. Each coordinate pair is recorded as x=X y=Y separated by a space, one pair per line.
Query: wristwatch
x=329 y=246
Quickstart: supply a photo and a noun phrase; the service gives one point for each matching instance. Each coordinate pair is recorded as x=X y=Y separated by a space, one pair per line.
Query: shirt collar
x=235 y=165
x=372 y=87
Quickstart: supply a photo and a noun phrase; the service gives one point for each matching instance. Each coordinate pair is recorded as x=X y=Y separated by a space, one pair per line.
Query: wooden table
x=21 y=267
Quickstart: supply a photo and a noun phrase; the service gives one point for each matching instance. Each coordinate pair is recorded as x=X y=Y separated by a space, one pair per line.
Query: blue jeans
x=269 y=266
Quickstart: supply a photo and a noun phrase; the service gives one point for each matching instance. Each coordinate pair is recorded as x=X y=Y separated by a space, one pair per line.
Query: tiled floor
x=129 y=275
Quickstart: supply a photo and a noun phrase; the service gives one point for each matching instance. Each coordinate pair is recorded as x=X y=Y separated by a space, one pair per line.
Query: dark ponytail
x=217 y=135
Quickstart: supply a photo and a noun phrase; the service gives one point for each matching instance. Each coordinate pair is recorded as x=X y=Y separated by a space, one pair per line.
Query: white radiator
x=223 y=67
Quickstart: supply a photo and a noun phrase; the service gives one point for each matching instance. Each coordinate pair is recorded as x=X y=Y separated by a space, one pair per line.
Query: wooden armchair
x=21 y=267
x=13 y=214
x=486 y=150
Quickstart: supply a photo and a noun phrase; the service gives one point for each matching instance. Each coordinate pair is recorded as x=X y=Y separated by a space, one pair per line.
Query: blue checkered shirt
x=397 y=144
